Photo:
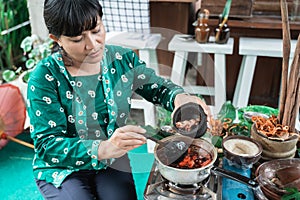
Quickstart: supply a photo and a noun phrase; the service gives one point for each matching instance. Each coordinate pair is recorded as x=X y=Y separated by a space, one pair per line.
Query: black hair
x=71 y=17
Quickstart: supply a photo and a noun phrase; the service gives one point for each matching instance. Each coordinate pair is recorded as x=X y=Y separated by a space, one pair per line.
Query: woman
x=78 y=104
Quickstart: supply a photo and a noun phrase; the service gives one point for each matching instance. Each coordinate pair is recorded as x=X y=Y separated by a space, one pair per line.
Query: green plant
x=163 y=117
x=34 y=50
x=13 y=27
x=293 y=193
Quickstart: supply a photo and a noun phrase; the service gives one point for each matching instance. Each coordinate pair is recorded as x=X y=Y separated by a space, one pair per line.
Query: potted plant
x=34 y=50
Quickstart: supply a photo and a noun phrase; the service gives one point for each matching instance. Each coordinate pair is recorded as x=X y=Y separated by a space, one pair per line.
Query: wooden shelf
x=263 y=23
x=259 y=22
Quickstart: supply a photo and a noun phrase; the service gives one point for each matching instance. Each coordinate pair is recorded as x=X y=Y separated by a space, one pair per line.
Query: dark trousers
x=113 y=183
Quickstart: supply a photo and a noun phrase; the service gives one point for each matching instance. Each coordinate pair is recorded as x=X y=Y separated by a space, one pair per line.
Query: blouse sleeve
x=154 y=88
x=53 y=143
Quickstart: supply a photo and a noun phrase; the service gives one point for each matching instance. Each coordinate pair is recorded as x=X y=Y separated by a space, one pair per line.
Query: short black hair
x=71 y=17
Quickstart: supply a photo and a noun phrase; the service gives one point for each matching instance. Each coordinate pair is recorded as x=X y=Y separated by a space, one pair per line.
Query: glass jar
x=222 y=31
x=202 y=30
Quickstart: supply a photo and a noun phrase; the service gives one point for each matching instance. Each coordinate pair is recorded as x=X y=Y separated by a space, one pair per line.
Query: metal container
x=287 y=171
x=186 y=176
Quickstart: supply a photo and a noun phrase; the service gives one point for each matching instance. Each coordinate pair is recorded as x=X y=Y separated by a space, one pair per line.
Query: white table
x=251 y=48
x=182 y=47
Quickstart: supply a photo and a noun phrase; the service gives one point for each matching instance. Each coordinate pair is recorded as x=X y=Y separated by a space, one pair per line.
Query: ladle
x=170 y=150
x=174 y=150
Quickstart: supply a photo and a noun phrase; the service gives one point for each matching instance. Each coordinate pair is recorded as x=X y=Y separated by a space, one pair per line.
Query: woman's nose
x=90 y=42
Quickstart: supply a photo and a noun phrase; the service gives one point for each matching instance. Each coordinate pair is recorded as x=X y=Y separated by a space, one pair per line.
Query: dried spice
x=290 y=87
x=271 y=128
x=188 y=125
x=195 y=158
x=219 y=128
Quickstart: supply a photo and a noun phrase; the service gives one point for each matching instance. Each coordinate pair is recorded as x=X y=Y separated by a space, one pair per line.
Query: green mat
x=17 y=182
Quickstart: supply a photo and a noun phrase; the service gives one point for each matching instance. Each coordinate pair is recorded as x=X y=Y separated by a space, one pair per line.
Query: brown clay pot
x=275 y=149
x=241 y=151
x=287 y=171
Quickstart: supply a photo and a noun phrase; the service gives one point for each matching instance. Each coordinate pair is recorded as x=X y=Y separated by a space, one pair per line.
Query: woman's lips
x=94 y=54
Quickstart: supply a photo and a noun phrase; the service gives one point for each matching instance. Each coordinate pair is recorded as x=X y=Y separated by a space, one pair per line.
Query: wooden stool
x=250 y=48
x=182 y=47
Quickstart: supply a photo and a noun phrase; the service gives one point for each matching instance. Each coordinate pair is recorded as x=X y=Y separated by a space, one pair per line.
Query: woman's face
x=87 y=47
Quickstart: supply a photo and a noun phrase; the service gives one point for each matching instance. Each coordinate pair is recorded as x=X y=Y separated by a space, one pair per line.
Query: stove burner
x=183 y=189
x=195 y=188
x=158 y=188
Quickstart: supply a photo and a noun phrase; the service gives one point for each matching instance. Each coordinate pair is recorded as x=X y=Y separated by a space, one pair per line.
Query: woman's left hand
x=181 y=99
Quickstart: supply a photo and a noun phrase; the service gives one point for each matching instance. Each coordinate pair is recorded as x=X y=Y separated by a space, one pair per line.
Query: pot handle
x=235 y=176
x=240 y=178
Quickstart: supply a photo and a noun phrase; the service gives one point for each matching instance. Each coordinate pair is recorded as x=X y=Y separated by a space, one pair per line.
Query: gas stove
x=158 y=188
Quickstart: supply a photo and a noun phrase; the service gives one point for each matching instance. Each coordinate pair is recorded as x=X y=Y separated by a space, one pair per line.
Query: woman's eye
x=97 y=30
x=77 y=40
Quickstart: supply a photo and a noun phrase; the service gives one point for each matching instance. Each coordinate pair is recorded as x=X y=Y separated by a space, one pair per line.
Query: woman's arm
x=54 y=142
x=162 y=91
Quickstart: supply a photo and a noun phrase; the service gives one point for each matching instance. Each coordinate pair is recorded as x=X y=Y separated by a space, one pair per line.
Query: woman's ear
x=54 y=38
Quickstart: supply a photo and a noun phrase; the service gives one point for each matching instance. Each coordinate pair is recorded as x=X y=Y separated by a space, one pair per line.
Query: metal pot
x=185 y=176
x=192 y=176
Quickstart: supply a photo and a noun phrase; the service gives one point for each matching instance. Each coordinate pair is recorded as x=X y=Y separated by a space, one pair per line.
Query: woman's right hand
x=123 y=140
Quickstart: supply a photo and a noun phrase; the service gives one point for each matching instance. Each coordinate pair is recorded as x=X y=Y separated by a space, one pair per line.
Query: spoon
x=187 y=38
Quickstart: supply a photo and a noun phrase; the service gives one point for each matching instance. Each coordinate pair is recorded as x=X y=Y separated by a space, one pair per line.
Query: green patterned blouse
x=70 y=116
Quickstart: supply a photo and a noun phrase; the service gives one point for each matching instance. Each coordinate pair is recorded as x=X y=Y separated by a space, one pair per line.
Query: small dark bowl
x=241 y=151
x=190 y=111
x=286 y=170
